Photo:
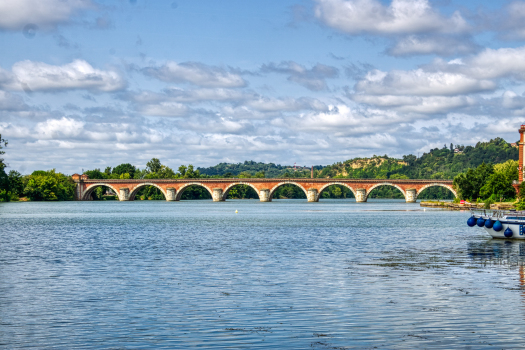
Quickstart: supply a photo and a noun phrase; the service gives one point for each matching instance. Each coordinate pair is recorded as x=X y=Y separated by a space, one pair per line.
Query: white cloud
x=15 y=15
x=313 y=79
x=207 y=94
x=509 y=22
x=164 y=109
x=59 y=128
x=10 y=102
x=265 y=104
x=196 y=73
x=420 y=83
x=400 y=17
x=426 y=45
x=38 y=76
x=416 y=104
x=496 y=63
x=345 y=121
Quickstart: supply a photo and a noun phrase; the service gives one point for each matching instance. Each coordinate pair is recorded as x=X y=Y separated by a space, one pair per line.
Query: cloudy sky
x=89 y=83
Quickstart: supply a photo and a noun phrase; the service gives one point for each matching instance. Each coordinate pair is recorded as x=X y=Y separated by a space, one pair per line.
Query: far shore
x=457 y=206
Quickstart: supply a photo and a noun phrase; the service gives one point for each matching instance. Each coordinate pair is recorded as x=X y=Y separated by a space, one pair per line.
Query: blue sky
x=88 y=84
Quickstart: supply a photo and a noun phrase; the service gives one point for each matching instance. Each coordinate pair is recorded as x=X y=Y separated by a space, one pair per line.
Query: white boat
x=505 y=224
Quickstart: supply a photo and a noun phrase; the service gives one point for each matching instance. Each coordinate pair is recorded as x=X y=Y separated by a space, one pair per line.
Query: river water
x=281 y=275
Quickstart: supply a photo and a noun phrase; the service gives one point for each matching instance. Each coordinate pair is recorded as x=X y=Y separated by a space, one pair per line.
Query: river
x=282 y=275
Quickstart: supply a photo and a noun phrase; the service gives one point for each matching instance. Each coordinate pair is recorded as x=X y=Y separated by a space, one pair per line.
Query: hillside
x=442 y=163
x=251 y=167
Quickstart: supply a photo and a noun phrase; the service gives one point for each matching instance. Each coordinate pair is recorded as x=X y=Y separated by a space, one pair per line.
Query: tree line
x=481 y=172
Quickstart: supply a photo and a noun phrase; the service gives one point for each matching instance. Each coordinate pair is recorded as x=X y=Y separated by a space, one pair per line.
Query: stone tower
x=522 y=141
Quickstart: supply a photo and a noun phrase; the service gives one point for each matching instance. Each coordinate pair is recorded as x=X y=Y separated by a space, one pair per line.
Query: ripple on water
x=285 y=274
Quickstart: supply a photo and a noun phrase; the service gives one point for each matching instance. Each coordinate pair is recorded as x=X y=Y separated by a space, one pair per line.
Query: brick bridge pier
x=126 y=190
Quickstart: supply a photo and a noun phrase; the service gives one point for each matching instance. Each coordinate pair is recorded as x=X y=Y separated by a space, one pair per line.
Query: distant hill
x=251 y=167
x=444 y=163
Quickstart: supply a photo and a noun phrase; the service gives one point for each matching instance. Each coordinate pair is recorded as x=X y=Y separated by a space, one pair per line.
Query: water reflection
x=497 y=252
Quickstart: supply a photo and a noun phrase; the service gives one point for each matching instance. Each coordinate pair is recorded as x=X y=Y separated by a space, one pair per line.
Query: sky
x=88 y=84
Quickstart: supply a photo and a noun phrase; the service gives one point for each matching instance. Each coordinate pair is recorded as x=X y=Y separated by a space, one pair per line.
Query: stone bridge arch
x=178 y=195
x=336 y=183
x=450 y=188
x=367 y=192
x=135 y=190
x=227 y=189
x=272 y=190
x=89 y=190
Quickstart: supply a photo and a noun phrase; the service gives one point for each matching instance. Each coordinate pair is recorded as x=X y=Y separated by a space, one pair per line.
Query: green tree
x=4 y=180
x=187 y=172
x=498 y=187
x=154 y=165
x=123 y=169
x=96 y=174
x=16 y=184
x=49 y=186
x=398 y=176
x=509 y=169
x=469 y=184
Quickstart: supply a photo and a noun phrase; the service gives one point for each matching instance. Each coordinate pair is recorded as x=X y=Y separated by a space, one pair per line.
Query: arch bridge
x=218 y=188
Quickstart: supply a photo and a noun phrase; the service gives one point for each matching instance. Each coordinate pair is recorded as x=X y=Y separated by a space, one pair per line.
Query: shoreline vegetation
x=481 y=173
x=458 y=206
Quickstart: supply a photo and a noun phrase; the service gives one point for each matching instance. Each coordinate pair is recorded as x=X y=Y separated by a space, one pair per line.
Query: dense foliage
x=49 y=186
x=444 y=163
x=270 y=170
x=488 y=182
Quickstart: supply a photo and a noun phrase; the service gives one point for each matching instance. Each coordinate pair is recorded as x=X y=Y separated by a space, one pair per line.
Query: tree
x=498 y=187
x=188 y=172
x=123 y=169
x=469 y=184
x=49 y=186
x=154 y=165
x=398 y=176
x=509 y=169
x=4 y=181
x=16 y=184
x=96 y=174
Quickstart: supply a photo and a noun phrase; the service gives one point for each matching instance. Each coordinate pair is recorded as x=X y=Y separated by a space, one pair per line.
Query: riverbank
x=458 y=206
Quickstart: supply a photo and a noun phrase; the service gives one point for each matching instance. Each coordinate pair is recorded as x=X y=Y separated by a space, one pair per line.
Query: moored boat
x=499 y=223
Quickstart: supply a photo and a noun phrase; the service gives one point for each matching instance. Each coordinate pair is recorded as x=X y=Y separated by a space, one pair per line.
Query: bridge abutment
x=124 y=194
x=313 y=195
x=264 y=195
x=171 y=194
x=217 y=195
x=410 y=195
x=360 y=195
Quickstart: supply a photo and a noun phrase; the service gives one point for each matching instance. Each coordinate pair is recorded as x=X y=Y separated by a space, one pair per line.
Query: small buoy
x=471 y=221
x=489 y=223
x=236 y=212
x=508 y=232
x=480 y=222
x=497 y=226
